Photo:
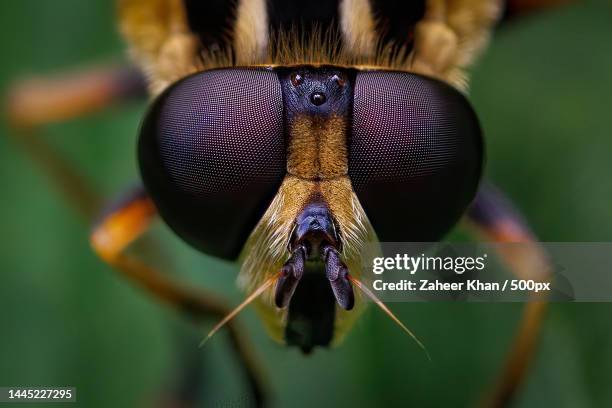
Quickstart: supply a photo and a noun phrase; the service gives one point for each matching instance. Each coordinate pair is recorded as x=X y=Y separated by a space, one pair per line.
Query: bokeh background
x=544 y=95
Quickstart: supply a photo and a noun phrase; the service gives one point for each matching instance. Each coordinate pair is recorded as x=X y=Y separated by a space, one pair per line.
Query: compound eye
x=415 y=154
x=212 y=155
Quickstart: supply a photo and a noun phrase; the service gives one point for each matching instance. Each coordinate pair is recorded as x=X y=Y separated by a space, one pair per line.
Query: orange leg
x=33 y=103
x=494 y=219
x=116 y=230
x=39 y=101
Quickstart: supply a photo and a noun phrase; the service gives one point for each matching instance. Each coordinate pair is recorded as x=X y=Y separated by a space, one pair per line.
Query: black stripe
x=211 y=20
x=397 y=19
x=303 y=15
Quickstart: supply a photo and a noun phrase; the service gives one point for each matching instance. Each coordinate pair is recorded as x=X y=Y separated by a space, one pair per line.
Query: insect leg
x=123 y=224
x=495 y=219
x=33 y=103
x=38 y=101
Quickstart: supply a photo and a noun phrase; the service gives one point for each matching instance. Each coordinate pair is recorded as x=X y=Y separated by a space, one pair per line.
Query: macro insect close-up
x=242 y=160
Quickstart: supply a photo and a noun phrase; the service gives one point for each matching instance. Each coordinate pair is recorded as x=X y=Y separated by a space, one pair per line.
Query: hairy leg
x=495 y=219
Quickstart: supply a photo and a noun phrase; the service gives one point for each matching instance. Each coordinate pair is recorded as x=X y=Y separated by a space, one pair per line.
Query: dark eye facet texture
x=415 y=154
x=212 y=155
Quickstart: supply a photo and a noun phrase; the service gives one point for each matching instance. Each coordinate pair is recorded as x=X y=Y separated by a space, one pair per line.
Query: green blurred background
x=544 y=95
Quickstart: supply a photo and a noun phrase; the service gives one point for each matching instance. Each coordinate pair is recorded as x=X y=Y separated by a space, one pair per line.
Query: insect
x=289 y=135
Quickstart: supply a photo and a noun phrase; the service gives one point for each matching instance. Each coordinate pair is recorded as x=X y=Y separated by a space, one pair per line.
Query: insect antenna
x=267 y=283
x=389 y=313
